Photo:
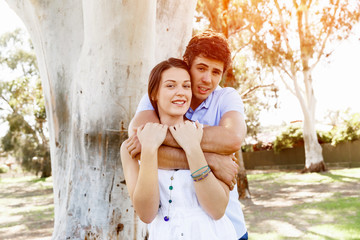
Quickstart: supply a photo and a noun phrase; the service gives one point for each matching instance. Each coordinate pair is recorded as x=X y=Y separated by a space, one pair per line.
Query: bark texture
x=94 y=60
x=242 y=181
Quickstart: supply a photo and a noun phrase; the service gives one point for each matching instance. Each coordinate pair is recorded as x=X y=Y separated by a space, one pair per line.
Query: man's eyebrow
x=202 y=64
x=205 y=65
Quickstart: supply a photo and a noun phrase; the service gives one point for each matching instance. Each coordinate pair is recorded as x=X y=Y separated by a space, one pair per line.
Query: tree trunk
x=242 y=182
x=94 y=60
x=314 y=161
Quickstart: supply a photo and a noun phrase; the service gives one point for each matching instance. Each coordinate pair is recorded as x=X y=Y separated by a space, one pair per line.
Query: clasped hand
x=187 y=134
x=152 y=135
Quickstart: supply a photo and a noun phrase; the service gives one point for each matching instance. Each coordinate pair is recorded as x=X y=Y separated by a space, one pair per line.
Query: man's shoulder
x=219 y=91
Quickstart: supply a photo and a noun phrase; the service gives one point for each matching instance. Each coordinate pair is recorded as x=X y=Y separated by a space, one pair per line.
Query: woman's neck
x=171 y=120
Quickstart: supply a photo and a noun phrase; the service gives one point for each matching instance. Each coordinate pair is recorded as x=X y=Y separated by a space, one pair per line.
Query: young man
x=208 y=56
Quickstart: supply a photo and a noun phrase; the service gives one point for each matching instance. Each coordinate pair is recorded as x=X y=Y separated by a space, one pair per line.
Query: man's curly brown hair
x=209 y=44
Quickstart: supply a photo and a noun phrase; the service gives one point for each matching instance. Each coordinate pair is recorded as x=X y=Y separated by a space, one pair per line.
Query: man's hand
x=224 y=167
x=133 y=145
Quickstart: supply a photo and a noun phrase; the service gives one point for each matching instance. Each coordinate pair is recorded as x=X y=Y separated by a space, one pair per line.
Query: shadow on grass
x=20 y=192
x=28 y=207
x=310 y=207
x=37 y=180
x=339 y=178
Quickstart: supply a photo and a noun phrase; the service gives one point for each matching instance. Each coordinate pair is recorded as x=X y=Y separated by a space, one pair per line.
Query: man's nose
x=206 y=77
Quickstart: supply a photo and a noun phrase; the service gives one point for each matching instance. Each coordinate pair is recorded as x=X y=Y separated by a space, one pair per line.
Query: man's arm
x=223 y=139
x=227 y=137
x=141 y=118
x=173 y=158
x=224 y=167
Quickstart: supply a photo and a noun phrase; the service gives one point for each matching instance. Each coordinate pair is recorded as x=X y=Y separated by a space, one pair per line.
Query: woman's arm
x=212 y=194
x=142 y=184
x=142 y=181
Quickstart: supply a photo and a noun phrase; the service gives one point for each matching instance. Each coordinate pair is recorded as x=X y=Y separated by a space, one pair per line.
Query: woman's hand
x=187 y=134
x=152 y=135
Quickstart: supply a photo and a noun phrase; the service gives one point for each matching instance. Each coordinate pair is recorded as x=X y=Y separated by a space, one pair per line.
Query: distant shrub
x=348 y=131
x=291 y=136
x=4 y=169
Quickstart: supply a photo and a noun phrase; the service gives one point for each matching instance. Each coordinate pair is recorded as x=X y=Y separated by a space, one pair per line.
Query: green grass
x=26 y=207
x=284 y=205
x=290 y=205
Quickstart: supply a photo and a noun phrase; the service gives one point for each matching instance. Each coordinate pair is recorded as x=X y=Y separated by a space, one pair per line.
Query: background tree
x=252 y=80
x=23 y=106
x=257 y=91
x=292 y=37
x=94 y=60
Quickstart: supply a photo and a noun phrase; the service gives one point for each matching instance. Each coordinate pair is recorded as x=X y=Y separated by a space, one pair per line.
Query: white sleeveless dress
x=187 y=220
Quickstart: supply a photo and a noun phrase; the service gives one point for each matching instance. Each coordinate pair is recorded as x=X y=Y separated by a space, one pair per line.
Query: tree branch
x=330 y=28
x=283 y=29
x=244 y=94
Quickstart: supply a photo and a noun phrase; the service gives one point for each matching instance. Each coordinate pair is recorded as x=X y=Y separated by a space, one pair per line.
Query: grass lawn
x=290 y=205
x=26 y=208
x=284 y=205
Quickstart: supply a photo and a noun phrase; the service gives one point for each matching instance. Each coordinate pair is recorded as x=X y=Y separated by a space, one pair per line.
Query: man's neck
x=195 y=103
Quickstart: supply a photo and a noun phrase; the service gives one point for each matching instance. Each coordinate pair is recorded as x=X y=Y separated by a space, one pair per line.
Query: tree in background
x=22 y=105
x=252 y=80
x=245 y=75
x=292 y=37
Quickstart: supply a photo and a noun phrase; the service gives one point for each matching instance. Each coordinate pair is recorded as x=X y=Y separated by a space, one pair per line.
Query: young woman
x=177 y=204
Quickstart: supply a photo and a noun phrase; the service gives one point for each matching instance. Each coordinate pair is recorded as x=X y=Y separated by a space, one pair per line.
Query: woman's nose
x=180 y=91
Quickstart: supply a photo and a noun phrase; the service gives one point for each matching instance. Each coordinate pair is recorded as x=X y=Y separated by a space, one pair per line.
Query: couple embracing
x=187 y=129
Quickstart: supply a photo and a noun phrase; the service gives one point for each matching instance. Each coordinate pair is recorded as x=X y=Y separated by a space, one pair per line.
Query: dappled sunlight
x=334 y=231
x=27 y=209
x=300 y=206
x=287 y=229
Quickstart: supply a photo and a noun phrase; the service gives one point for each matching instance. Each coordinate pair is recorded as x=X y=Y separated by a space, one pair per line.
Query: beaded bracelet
x=202 y=176
x=194 y=176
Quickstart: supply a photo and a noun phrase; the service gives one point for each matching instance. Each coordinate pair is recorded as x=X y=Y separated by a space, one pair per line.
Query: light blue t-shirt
x=209 y=112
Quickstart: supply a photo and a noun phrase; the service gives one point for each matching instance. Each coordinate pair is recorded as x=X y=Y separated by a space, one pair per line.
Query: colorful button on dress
x=180 y=215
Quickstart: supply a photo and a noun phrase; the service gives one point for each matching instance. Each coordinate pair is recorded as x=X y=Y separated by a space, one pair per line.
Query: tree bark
x=314 y=161
x=94 y=60
x=242 y=181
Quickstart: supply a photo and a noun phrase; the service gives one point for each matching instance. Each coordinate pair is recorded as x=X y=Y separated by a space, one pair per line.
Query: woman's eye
x=187 y=86
x=170 y=85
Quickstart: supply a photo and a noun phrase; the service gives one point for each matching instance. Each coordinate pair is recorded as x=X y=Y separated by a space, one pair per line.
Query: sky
x=336 y=81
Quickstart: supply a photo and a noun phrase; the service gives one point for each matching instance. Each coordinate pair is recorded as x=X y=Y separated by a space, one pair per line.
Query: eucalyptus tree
x=94 y=59
x=291 y=38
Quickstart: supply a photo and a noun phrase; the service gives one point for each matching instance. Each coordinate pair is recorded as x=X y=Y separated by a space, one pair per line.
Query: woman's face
x=174 y=94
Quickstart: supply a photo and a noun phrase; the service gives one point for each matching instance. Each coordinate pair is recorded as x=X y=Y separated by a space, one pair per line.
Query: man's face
x=206 y=74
